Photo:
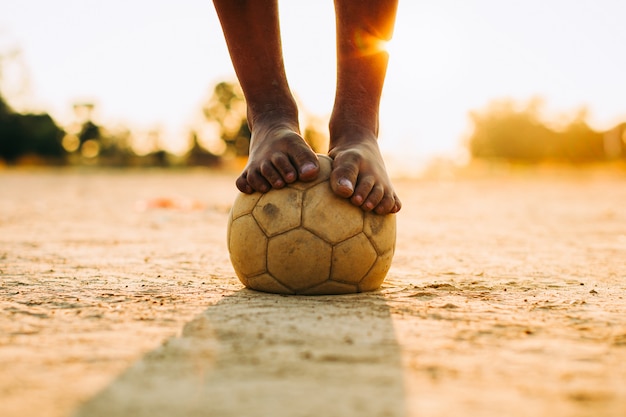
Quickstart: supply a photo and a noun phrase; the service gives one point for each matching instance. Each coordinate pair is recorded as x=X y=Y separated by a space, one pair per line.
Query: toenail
x=344 y=182
x=308 y=167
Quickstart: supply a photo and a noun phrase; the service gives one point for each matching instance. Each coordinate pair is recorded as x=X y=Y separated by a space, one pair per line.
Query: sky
x=151 y=64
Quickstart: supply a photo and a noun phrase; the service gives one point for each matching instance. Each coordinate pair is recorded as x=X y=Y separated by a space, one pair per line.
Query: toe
x=397 y=206
x=365 y=186
x=258 y=182
x=307 y=163
x=284 y=167
x=343 y=177
x=273 y=177
x=242 y=184
x=373 y=198
x=386 y=204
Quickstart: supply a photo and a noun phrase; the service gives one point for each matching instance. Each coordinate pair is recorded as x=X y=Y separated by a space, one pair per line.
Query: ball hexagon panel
x=376 y=275
x=279 y=211
x=244 y=203
x=247 y=246
x=331 y=287
x=266 y=283
x=298 y=259
x=352 y=259
x=381 y=230
x=330 y=217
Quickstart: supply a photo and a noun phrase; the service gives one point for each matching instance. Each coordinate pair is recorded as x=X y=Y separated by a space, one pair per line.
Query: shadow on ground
x=255 y=354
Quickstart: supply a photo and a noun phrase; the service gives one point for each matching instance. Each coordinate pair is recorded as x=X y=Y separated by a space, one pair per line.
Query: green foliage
x=506 y=131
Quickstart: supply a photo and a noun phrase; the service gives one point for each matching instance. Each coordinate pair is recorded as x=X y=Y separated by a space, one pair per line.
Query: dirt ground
x=506 y=298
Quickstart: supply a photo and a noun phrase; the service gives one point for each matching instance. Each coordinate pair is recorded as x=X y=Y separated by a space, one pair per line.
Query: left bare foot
x=359 y=172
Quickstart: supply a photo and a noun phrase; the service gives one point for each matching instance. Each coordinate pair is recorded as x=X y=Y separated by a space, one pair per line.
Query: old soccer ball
x=303 y=239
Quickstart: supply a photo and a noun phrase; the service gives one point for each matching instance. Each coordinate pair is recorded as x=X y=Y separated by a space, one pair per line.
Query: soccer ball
x=303 y=239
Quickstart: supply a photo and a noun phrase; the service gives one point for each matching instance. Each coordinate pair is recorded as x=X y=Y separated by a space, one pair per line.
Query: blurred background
x=145 y=83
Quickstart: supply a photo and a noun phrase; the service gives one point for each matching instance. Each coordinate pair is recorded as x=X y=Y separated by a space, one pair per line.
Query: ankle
x=357 y=139
x=351 y=130
x=350 y=118
x=281 y=112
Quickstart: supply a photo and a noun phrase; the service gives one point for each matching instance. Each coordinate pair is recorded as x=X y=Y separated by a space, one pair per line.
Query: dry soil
x=507 y=297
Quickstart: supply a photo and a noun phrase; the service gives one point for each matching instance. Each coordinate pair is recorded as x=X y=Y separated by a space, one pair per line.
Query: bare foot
x=359 y=172
x=278 y=156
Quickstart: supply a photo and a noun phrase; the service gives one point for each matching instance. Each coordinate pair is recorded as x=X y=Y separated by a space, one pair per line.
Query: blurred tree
x=502 y=131
x=227 y=109
x=509 y=131
x=198 y=155
x=28 y=135
x=115 y=143
x=9 y=147
x=91 y=143
x=615 y=142
x=23 y=135
x=89 y=131
x=42 y=135
x=579 y=143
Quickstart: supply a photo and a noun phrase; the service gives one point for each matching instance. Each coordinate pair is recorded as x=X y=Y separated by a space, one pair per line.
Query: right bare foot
x=278 y=156
x=359 y=172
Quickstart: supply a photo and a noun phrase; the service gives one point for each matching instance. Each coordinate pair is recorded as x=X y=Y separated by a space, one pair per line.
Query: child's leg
x=278 y=154
x=359 y=171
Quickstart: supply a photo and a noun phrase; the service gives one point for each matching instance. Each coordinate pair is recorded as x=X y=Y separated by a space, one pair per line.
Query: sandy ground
x=507 y=297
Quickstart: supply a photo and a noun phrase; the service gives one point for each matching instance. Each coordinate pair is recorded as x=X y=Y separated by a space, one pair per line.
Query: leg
x=358 y=170
x=278 y=153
